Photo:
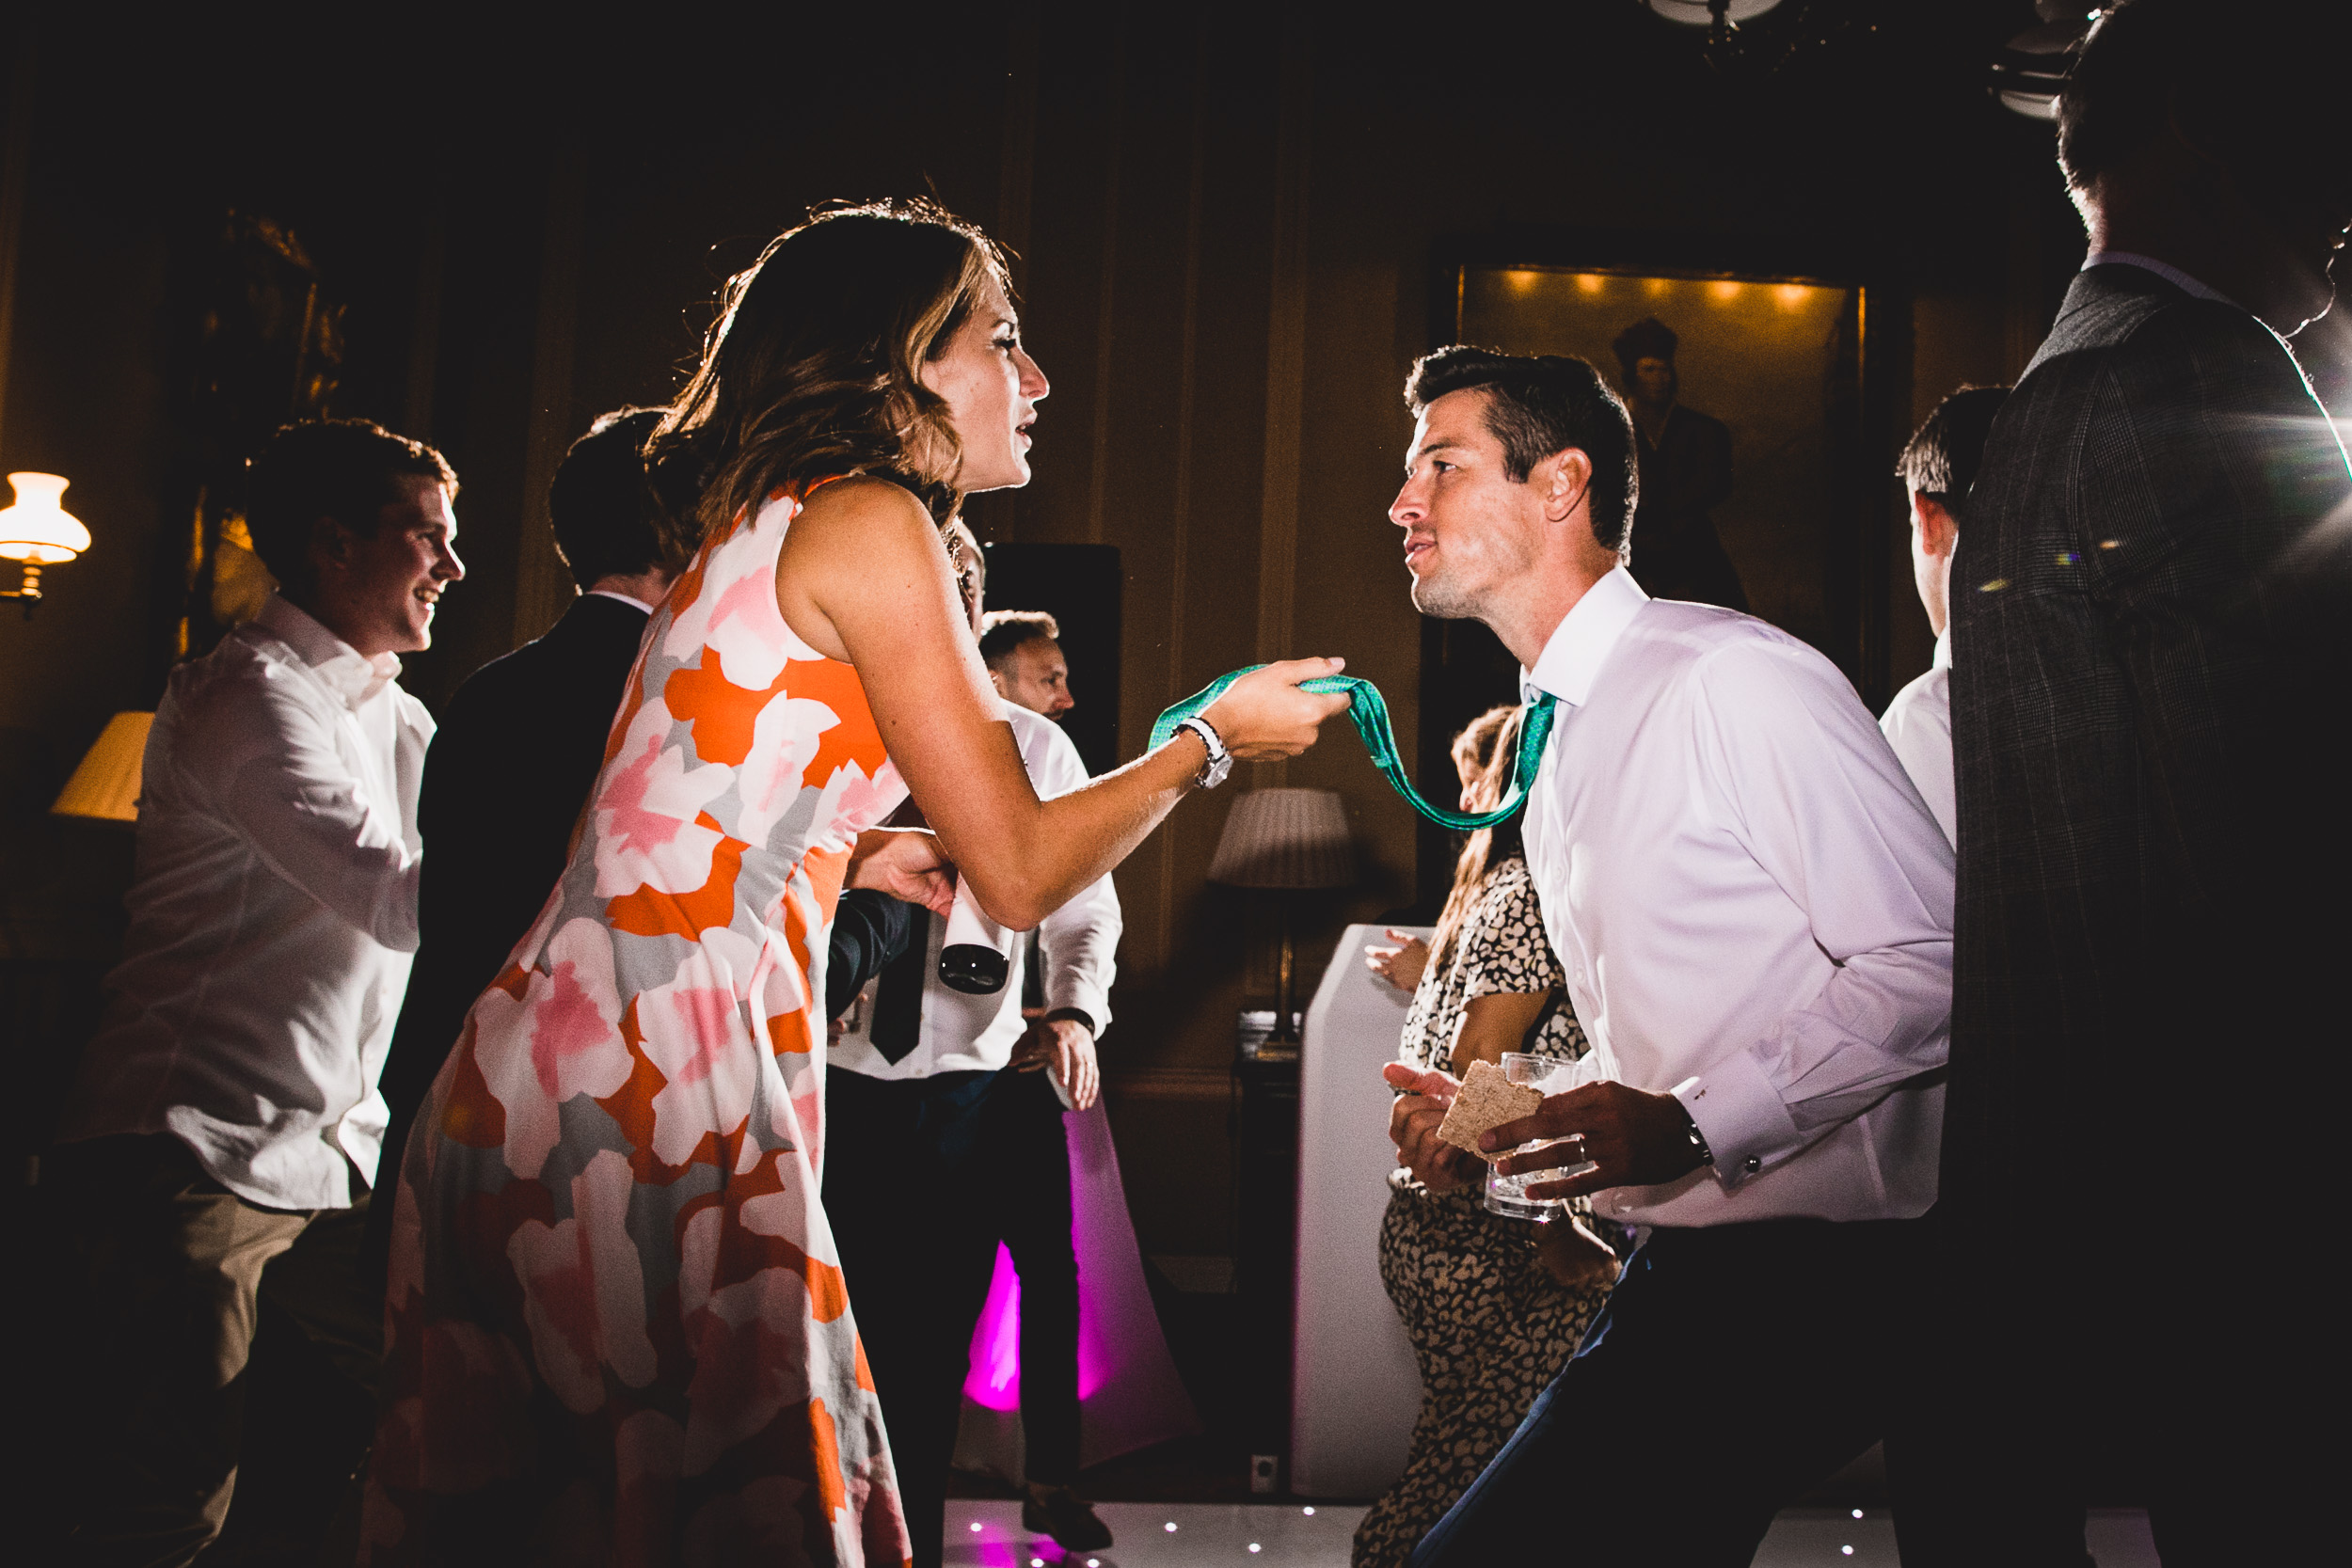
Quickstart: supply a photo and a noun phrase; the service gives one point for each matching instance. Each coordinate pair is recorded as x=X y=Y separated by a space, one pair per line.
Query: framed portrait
x=1759 y=394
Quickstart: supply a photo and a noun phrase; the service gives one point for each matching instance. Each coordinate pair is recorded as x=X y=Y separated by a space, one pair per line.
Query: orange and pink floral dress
x=616 y=1330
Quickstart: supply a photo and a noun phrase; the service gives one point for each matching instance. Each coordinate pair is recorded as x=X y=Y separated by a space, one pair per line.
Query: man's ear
x=331 y=543
x=1565 y=478
x=997 y=679
x=1939 y=530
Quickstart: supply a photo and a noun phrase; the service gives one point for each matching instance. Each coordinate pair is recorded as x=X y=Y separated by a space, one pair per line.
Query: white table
x=1354 y=1391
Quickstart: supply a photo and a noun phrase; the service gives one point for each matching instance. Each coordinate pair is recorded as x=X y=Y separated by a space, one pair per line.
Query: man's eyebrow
x=1442 y=444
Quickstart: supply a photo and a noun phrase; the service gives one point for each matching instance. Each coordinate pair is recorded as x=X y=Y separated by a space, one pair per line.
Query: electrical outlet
x=1263 y=1469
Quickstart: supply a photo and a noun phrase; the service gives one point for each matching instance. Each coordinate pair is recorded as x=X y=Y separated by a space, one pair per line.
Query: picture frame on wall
x=1766 y=466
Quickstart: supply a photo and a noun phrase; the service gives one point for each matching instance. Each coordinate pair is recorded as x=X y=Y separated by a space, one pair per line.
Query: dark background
x=1230 y=220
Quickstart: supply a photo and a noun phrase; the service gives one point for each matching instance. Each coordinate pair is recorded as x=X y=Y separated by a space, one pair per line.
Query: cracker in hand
x=1485 y=1100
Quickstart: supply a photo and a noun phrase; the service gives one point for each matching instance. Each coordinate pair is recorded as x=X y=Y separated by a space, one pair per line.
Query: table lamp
x=107 y=784
x=1288 y=842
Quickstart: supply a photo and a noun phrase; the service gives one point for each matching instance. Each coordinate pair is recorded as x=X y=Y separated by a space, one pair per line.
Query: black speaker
x=1078 y=585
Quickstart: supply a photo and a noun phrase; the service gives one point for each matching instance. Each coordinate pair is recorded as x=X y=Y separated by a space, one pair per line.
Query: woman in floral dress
x=617 y=1329
x=1494 y=1306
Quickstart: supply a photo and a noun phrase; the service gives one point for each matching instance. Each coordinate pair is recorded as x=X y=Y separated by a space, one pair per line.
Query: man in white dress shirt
x=1754 y=910
x=945 y=1136
x=219 y=1145
x=1936 y=468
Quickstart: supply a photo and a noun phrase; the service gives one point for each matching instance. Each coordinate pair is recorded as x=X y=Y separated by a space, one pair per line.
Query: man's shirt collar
x=1582 y=642
x=349 y=674
x=2165 y=269
x=1943 y=659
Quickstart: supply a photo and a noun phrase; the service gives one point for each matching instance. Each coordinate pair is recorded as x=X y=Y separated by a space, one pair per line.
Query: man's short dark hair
x=609 y=521
x=1004 y=632
x=1941 y=460
x=347 y=470
x=1646 y=339
x=2247 y=84
x=1539 y=406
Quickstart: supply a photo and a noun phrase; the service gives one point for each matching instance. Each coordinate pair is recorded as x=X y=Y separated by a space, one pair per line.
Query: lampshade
x=2030 y=71
x=1698 y=13
x=1285 y=838
x=38 y=529
x=107 y=782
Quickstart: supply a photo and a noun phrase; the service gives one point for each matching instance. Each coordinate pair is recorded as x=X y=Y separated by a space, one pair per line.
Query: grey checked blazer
x=2150 y=692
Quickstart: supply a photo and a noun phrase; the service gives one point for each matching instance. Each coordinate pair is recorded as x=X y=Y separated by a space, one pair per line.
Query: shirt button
x=1755 y=1164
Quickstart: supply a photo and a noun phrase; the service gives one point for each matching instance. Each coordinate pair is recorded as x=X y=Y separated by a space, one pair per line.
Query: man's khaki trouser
x=176 y=1267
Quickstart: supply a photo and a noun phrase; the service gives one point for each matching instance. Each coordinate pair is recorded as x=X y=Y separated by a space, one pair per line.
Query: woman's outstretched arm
x=863 y=577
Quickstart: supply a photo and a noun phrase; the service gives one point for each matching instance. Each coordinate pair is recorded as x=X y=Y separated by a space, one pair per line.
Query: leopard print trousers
x=1490 y=1329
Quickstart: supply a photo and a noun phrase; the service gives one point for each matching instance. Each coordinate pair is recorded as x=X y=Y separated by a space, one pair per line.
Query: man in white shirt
x=219 y=1145
x=1754 y=910
x=1936 y=468
x=946 y=1138
x=1023 y=651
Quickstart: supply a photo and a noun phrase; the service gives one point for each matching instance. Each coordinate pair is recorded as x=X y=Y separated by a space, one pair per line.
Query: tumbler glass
x=1507 y=1195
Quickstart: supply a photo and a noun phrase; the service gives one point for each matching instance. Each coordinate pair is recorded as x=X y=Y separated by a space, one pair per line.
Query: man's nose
x=451 y=569
x=1406 y=509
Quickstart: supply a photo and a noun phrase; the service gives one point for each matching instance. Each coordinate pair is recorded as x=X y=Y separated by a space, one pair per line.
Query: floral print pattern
x=616 y=1326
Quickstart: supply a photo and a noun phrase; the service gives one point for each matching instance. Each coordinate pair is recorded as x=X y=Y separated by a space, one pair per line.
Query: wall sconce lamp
x=38 y=531
x=1287 y=841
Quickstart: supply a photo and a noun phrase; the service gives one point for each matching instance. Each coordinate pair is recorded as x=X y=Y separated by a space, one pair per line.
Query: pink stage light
x=995 y=1381
x=1127 y=1385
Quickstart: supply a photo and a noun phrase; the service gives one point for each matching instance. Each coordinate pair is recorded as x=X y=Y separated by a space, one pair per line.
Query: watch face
x=1215 y=773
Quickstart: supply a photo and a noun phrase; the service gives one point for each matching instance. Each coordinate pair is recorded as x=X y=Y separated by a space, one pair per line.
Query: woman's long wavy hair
x=812 y=368
x=1484 y=750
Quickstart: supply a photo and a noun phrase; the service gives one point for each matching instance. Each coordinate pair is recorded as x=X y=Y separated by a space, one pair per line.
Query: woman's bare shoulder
x=860 y=513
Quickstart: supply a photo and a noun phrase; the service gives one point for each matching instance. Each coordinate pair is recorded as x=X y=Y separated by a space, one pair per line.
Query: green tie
x=1371 y=713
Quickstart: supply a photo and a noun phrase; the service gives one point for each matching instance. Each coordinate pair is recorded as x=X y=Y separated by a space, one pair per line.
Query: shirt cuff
x=1739 y=1113
x=1077 y=996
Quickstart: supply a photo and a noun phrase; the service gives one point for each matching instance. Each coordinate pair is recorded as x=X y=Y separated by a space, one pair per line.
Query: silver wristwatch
x=1220 y=760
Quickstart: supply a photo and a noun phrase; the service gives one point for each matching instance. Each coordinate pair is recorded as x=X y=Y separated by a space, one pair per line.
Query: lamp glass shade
x=37 y=528
x=1286 y=838
x=1696 y=13
x=107 y=784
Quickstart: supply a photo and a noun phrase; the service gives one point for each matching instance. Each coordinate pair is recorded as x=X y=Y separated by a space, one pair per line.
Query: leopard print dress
x=1491 y=1328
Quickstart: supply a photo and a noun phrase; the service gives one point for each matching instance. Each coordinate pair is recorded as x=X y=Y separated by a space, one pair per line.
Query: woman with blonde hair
x=618 y=1329
x=1494 y=1306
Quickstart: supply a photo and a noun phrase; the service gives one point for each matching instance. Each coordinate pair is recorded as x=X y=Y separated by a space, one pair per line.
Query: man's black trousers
x=923 y=1177
x=1734 y=1368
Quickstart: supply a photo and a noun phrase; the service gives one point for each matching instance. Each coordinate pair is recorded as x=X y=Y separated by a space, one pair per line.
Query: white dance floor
x=988 y=1534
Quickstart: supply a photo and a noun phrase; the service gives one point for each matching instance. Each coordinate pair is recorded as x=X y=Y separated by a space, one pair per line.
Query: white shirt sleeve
x=1079 y=941
x=1918 y=725
x=1795 y=770
x=266 y=758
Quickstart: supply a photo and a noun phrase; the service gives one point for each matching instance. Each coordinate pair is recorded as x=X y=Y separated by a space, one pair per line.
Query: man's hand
x=906 y=863
x=1413 y=1128
x=1574 y=1256
x=1065 y=1047
x=1402 y=965
x=1636 y=1138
